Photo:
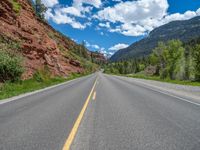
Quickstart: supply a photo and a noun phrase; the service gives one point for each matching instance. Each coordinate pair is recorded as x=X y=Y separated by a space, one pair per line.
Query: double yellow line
x=78 y=121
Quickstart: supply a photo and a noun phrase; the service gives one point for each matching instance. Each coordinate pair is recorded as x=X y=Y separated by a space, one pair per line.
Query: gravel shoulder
x=191 y=92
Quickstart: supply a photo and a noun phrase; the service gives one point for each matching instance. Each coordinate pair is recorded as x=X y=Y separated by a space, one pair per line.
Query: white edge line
x=180 y=98
x=37 y=91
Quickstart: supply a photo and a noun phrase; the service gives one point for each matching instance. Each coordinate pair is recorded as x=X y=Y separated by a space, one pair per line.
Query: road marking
x=94 y=95
x=78 y=121
x=177 y=97
x=165 y=93
x=162 y=92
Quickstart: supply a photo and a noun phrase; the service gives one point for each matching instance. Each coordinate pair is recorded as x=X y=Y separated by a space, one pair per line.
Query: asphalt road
x=120 y=115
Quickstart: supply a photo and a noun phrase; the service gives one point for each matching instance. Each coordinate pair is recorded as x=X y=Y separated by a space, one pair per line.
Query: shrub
x=10 y=67
x=16 y=6
x=42 y=75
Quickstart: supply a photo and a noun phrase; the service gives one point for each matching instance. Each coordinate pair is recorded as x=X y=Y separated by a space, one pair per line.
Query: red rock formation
x=98 y=57
x=39 y=42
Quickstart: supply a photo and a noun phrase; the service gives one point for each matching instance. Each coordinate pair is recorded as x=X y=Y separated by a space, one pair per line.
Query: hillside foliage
x=172 y=60
x=10 y=61
x=40 y=9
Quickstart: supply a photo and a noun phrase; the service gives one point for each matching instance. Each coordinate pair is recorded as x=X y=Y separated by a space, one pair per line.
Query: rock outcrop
x=40 y=44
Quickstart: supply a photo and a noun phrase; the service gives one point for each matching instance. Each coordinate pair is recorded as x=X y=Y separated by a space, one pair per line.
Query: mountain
x=182 y=30
x=38 y=43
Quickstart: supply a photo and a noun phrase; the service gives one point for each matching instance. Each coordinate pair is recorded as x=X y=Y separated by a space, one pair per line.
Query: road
x=119 y=115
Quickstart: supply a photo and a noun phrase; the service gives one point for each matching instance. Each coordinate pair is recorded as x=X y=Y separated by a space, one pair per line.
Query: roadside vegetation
x=10 y=89
x=173 y=61
x=12 y=67
x=11 y=70
x=10 y=60
x=16 y=6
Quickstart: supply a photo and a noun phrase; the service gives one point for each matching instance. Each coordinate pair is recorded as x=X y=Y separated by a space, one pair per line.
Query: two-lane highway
x=109 y=114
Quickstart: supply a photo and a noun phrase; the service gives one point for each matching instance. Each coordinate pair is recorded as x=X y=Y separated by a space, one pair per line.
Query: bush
x=16 y=6
x=42 y=75
x=10 y=67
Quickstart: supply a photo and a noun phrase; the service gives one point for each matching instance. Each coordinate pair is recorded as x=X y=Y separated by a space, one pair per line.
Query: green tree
x=173 y=55
x=158 y=58
x=40 y=9
x=196 y=55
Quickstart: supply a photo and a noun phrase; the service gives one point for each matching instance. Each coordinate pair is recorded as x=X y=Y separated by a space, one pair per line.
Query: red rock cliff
x=41 y=45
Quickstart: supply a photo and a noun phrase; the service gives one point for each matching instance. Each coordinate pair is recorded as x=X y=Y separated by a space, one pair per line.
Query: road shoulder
x=179 y=91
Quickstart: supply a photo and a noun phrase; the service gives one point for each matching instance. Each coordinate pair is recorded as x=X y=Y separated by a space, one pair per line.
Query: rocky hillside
x=182 y=30
x=38 y=43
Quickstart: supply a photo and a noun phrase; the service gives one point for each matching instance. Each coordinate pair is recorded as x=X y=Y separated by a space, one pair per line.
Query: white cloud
x=69 y=14
x=134 y=18
x=108 y=53
x=66 y=15
x=50 y=3
x=95 y=46
x=71 y=10
x=178 y=16
x=106 y=25
x=198 y=11
x=117 y=0
x=118 y=47
x=95 y=3
x=62 y=18
x=130 y=18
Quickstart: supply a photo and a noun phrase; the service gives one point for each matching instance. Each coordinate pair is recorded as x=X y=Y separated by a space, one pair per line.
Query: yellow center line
x=78 y=121
x=94 y=95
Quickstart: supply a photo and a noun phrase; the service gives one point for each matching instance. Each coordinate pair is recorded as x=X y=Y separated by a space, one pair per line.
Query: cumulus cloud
x=95 y=46
x=106 y=25
x=60 y=16
x=49 y=3
x=198 y=11
x=130 y=18
x=118 y=47
x=95 y=3
x=140 y=17
x=71 y=10
x=69 y=14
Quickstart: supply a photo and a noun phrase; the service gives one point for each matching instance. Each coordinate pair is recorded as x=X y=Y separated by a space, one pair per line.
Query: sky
x=110 y=25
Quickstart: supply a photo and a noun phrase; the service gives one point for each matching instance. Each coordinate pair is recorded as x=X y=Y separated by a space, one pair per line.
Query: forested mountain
x=182 y=30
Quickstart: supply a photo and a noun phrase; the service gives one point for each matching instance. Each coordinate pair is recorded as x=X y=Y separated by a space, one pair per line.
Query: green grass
x=16 y=6
x=156 y=78
x=10 y=89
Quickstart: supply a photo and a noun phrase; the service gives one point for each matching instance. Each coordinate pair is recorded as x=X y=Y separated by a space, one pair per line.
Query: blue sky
x=109 y=25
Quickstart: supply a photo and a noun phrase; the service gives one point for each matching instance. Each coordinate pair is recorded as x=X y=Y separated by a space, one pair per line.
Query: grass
x=156 y=78
x=16 y=6
x=10 y=89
